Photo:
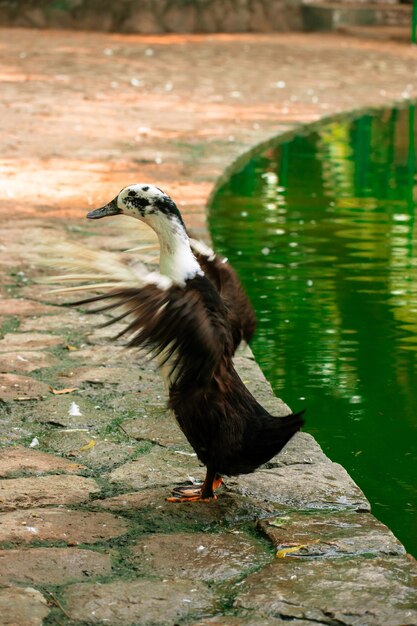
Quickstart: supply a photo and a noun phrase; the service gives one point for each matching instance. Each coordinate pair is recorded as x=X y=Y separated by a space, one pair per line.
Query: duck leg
x=193 y=493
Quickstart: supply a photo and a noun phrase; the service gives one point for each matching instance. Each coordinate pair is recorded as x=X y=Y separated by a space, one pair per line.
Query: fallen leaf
x=71 y=347
x=58 y=392
x=281 y=554
x=88 y=445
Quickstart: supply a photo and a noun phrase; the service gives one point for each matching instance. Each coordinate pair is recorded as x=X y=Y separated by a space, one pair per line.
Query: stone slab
x=352 y=592
x=23 y=308
x=159 y=467
x=22 y=606
x=344 y=533
x=252 y=376
x=126 y=379
x=12 y=342
x=70 y=410
x=301 y=449
x=107 y=354
x=17 y=493
x=249 y=619
x=87 y=447
x=304 y=486
x=199 y=556
x=144 y=602
x=60 y=524
x=67 y=319
x=151 y=397
x=155 y=514
x=12 y=429
x=158 y=426
x=52 y=566
x=15 y=387
x=26 y=361
x=19 y=459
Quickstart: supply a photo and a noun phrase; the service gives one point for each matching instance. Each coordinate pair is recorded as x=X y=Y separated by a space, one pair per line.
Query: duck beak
x=105 y=211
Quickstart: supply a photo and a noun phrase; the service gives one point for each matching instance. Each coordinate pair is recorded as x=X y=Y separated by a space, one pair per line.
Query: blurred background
x=390 y=18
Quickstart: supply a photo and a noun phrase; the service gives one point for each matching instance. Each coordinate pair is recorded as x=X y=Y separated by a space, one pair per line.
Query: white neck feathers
x=176 y=257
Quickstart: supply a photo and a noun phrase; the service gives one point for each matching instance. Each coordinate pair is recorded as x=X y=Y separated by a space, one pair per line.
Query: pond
x=321 y=230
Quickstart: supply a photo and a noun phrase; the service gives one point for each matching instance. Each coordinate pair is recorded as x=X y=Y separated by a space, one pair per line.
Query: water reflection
x=322 y=231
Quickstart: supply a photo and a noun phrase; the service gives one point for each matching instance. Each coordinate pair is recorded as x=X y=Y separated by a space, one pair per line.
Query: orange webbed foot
x=194 y=493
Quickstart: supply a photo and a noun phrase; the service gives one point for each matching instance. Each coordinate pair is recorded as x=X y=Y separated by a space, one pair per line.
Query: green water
x=322 y=233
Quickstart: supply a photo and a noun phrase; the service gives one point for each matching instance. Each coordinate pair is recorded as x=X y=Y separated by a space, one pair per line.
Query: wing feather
x=241 y=315
x=176 y=324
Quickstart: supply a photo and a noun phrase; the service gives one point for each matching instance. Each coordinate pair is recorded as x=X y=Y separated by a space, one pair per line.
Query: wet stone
x=26 y=361
x=60 y=524
x=14 y=387
x=52 y=566
x=355 y=592
x=159 y=467
x=144 y=602
x=22 y=607
x=297 y=535
x=154 y=513
x=43 y=490
x=199 y=556
x=28 y=341
x=304 y=486
x=24 y=460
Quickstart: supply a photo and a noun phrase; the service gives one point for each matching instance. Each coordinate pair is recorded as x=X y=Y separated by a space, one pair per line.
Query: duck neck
x=176 y=257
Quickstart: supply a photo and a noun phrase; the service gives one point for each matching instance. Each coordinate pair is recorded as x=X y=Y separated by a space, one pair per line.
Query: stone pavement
x=88 y=452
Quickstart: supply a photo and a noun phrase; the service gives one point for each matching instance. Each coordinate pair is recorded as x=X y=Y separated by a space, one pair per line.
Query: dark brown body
x=229 y=430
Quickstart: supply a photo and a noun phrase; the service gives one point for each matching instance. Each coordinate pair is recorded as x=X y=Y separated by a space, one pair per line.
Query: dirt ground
x=84 y=114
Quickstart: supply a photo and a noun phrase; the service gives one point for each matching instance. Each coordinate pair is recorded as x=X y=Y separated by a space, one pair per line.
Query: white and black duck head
x=154 y=207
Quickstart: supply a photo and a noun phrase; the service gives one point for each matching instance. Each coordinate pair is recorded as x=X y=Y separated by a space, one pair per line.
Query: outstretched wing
x=173 y=324
x=241 y=315
x=185 y=326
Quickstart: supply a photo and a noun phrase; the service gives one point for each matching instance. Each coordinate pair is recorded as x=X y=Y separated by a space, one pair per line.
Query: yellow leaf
x=88 y=445
x=71 y=347
x=281 y=554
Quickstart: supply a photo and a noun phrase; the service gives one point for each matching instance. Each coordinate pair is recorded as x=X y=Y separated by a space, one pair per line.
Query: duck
x=190 y=316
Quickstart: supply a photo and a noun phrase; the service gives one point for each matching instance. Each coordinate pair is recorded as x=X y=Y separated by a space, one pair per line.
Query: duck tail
x=272 y=435
x=293 y=422
x=286 y=428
